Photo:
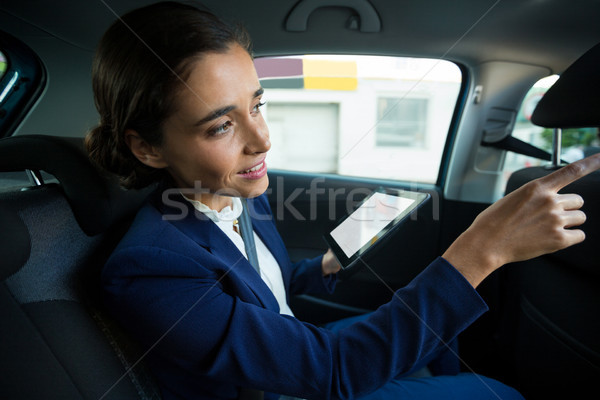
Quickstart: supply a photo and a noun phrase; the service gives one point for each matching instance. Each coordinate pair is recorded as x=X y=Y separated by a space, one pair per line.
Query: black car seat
x=553 y=314
x=55 y=340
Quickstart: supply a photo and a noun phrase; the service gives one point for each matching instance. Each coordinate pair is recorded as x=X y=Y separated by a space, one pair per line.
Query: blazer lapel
x=207 y=234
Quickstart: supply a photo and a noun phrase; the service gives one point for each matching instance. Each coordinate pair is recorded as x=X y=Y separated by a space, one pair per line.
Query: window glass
x=401 y=123
x=22 y=80
x=381 y=117
x=575 y=143
x=3 y=64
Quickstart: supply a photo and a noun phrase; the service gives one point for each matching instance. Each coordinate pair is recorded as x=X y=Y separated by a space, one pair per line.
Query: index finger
x=570 y=173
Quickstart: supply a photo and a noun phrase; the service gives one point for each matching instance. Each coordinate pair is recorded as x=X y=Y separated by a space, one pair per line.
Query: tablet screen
x=373 y=219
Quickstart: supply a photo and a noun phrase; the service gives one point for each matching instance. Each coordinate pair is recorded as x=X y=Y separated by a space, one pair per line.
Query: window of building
x=402 y=122
x=380 y=117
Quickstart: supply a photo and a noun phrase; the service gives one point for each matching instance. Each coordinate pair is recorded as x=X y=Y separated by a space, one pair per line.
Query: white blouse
x=270 y=272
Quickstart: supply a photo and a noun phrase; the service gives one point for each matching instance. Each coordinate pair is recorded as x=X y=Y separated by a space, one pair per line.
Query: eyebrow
x=225 y=110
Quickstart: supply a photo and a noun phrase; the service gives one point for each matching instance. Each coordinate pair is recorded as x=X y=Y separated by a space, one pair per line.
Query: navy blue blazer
x=182 y=288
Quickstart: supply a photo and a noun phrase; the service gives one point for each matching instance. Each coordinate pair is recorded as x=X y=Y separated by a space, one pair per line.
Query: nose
x=257 y=137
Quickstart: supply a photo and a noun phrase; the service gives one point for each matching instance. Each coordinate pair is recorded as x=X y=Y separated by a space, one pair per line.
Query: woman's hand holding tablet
x=377 y=216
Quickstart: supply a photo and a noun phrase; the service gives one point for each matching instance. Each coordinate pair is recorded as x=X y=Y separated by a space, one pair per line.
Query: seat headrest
x=97 y=201
x=574 y=100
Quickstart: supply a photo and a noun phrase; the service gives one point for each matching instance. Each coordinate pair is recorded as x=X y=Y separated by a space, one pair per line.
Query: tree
x=571 y=137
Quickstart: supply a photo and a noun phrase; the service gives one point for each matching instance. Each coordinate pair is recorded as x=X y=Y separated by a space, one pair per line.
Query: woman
x=179 y=102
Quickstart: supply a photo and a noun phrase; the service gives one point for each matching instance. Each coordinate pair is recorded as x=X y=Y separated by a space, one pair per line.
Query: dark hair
x=140 y=63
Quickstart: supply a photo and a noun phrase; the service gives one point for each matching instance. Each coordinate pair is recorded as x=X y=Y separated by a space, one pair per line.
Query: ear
x=147 y=154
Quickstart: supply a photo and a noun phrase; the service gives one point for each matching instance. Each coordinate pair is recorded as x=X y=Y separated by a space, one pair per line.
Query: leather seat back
x=552 y=324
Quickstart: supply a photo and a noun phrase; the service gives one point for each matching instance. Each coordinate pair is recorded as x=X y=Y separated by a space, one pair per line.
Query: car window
x=9 y=179
x=22 y=81
x=381 y=117
x=2 y=64
x=18 y=90
x=5 y=86
x=575 y=143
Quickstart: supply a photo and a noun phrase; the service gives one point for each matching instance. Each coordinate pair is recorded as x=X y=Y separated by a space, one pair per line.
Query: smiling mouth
x=256 y=168
x=254 y=173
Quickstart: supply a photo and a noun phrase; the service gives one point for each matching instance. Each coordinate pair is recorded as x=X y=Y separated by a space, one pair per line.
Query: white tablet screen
x=365 y=223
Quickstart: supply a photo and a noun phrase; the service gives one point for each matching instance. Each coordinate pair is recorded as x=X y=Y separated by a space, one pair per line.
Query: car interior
x=60 y=217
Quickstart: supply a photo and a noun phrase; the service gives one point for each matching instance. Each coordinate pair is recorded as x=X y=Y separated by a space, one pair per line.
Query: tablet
x=374 y=219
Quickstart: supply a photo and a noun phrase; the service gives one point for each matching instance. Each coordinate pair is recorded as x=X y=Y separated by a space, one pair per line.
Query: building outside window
x=401 y=122
x=369 y=116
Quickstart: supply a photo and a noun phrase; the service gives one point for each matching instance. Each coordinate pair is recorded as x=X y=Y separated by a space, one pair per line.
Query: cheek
x=221 y=161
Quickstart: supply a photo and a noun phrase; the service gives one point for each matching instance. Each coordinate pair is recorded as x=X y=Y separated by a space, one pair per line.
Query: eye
x=257 y=107
x=221 y=129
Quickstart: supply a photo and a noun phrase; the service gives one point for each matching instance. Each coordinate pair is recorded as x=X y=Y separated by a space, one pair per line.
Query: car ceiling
x=549 y=33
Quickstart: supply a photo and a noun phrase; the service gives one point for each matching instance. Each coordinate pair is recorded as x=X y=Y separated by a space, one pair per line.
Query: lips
x=255 y=168
x=255 y=172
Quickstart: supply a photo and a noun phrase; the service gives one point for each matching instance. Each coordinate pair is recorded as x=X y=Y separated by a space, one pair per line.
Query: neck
x=213 y=201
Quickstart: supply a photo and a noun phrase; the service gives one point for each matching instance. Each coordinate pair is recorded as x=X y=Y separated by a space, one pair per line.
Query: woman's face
x=217 y=138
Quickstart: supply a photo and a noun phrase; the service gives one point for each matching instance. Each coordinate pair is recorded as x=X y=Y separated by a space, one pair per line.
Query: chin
x=258 y=189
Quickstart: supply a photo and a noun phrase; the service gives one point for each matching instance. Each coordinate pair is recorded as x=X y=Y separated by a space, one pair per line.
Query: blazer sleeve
x=192 y=320
x=307 y=278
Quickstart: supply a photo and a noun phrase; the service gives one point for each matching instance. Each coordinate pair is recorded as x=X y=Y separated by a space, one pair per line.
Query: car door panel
x=306 y=206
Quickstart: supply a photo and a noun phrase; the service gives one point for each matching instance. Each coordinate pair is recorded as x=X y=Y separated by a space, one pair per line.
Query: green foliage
x=571 y=137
